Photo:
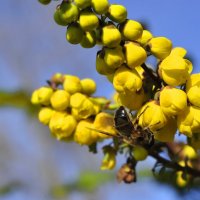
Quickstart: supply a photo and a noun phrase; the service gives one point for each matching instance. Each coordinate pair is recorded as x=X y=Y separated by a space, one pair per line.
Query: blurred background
x=33 y=165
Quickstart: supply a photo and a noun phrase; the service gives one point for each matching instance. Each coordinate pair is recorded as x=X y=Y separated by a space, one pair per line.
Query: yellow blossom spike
x=83 y=134
x=88 y=86
x=160 y=47
x=166 y=134
x=45 y=115
x=104 y=122
x=188 y=121
x=72 y=84
x=193 y=89
x=62 y=125
x=174 y=70
x=60 y=100
x=135 y=55
x=126 y=80
x=172 y=100
x=151 y=116
x=131 y=30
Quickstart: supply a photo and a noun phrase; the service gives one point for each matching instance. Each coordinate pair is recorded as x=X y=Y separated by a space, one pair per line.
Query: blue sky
x=32 y=48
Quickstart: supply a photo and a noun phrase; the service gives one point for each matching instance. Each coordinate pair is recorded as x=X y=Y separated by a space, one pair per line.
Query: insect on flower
x=129 y=132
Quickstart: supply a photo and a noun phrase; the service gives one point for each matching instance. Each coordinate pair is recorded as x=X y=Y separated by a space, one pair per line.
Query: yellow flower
x=172 y=100
x=88 y=86
x=34 y=97
x=160 y=47
x=83 y=134
x=187 y=152
x=45 y=115
x=60 y=100
x=62 y=125
x=104 y=122
x=44 y=94
x=111 y=37
x=174 y=70
x=126 y=80
x=178 y=51
x=109 y=160
x=188 y=121
x=135 y=55
x=193 y=89
x=145 y=37
x=114 y=57
x=82 y=107
x=100 y=6
x=131 y=100
x=131 y=30
x=166 y=134
x=72 y=84
x=139 y=153
x=151 y=116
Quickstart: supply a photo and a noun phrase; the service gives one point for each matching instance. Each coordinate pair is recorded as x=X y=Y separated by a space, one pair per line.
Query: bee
x=129 y=132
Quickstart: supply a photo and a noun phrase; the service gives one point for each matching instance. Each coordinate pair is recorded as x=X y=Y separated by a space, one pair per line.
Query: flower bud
x=193 y=89
x=178 y=51
x=45 y=115
x=88 y=86
x=72 y=84
x=58 y=19
x=188 y=121
x=111 y=37
x=60 y=100
x=68 y=12
x=114 y=58
x=109 y=160
x=145 y=37
x=139 y=153
x=62 y=125
x=104 y=122
x=151 y=116
x=131 y=30
x=126 y=79
x=100 y=6
x=172 y=100
x=166 y=133
x=174 y=70
x=74 y=33
x=132 y=100
x=88 y=20
x=34 y=97
x=83 y=134
x=160 y=47
x=117 y=13
x=88 y=40
x=135 y=55
x=44 y=94
x=44 y=2
x=82 y=3
x=101 y=66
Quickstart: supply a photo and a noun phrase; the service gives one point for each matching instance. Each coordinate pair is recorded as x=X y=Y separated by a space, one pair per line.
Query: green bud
x=89 y=40
x=82 y=3
x=44 y=2
x=57 y=18
x=74 y=34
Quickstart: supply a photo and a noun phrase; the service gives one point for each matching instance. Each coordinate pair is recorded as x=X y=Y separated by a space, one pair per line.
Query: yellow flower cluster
x=70 y=111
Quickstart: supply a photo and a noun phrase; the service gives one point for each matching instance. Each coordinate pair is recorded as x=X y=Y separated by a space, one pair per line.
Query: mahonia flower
x=151 y=116
x=62 y=125
x=45 y=115
x=100 y=6
x=135 y=55
x=175 y=70
x=126 y=80
x=193 y=89
x=172 y=100
x=60 y=100
x=160 y=47
x=132 y=100
x=166 y=133
x=189 y=121
x=88 y=86
x=145 y=37
x=139 y=153
x=72 y=84
x=83 y=134
x=109 y=159
x=104 y=122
